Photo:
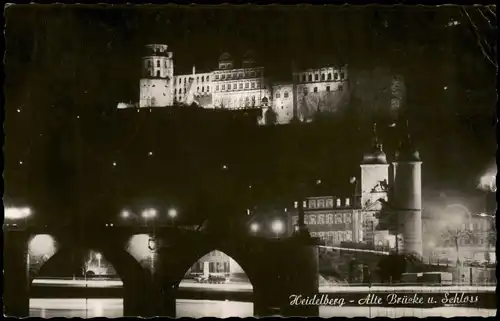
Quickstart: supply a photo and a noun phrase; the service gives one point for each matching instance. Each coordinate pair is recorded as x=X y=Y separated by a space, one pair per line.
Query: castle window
x=208 y=78
x=202 y=79
x=347 y=202
x=316 y=77
x=197 y=79
x=338 y=203
x=285 y=95
x=217 y=88
x=241 y=85
x=184 y=90
x=277 y=94
x=329 y=76
x=157 y=73
x=253 y=85
x=341 y=88
x=175 y=91
x=241 y=75
x=216 y=77
x=303 y=78
x=149 y=63
x=157 y=63
x=310 y=78
x=336 y=76
x=315 y=89
x=305 y=91
x=208 y=88
x=165 y=64
x=252 y=74
x=342 y=75
x=197 y=88
x=246 y=85
x=223 y=87
x=327 y=88
x=222 y=77
x=184 y=80
x=257 y=73
x=322 y=76
x=202 y=88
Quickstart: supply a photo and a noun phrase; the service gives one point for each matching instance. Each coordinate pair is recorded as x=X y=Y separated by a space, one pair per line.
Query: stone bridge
x=276 y=268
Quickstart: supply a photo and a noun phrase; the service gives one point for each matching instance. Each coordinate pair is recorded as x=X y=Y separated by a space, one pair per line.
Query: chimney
x=194 y=70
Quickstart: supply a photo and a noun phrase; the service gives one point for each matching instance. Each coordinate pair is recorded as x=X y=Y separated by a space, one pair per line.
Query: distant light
x=318 y=181
x=125 y=214
x=248 y=211
x=149 y=213
x=277 y=226
x=137 y=110
x=78 y=117
x=249 y=186
x=15 y=213
x=114 y=163
x=172 y=213
x=19 y=110
x=98 y=256
x=20 y=162
x=111 y=224
x=254 y=227
x=150 y=153
x=445 y=87
x=286 y=210
x=224 y=167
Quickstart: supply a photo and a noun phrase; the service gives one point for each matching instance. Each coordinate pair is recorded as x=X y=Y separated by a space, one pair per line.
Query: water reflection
x=113 y=308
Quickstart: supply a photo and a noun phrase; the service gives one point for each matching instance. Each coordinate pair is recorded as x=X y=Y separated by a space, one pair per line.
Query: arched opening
x=215 y=286
x=87 y=283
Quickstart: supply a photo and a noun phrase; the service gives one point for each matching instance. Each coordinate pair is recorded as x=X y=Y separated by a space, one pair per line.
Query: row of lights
x=277 y=226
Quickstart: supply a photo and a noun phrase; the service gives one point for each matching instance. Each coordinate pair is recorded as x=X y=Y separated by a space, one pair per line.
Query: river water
x=113 y=308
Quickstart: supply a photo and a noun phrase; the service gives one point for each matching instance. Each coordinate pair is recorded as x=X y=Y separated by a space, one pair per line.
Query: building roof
x=376 y=154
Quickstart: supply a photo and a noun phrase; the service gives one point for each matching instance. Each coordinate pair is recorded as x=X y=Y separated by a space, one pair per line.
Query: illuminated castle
x=240 y=86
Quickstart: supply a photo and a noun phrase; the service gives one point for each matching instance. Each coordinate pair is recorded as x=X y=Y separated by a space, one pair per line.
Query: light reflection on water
x=113 y=308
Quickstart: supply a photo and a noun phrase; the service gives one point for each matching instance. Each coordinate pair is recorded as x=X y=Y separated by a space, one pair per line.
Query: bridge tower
x=156 y=84
x=407 y=194
x=373 y=186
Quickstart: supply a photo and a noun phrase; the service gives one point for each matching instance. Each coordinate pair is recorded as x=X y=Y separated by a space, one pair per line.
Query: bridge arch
x=136 y=280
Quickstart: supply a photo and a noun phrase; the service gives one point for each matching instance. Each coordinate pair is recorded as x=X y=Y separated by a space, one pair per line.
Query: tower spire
x=407 y=150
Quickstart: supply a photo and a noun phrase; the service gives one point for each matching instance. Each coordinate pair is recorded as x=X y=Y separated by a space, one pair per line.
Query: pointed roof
x=376 y=154
x=407 y=152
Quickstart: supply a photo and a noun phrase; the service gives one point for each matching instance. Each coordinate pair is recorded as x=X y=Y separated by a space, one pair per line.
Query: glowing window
x=329 y=76
x=285 y=94
x=338 y=202
x=277 y=94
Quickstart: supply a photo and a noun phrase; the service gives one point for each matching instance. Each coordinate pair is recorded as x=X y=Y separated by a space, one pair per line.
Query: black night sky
x=67 y=67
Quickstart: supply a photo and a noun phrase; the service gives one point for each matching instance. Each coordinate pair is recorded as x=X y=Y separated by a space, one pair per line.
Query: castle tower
x=156 y=84
x=374 y=173
x=407 y=194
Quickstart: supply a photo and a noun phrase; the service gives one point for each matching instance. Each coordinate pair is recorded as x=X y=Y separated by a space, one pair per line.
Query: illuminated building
x=351 y=215
x=156 y=84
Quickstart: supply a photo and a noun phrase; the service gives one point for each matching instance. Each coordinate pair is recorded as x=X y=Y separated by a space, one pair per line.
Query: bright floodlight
x=15 y=213
x=125 y=214
x=172 y=213
x=254 y=227
x=42 y=245
x=277 y=226
x=98 y=256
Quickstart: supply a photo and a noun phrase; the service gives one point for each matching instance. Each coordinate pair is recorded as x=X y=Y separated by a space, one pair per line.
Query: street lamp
x=277 y=227
x=125 y=214
x=99 y=257
x=254 y=227
x=172 y=213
